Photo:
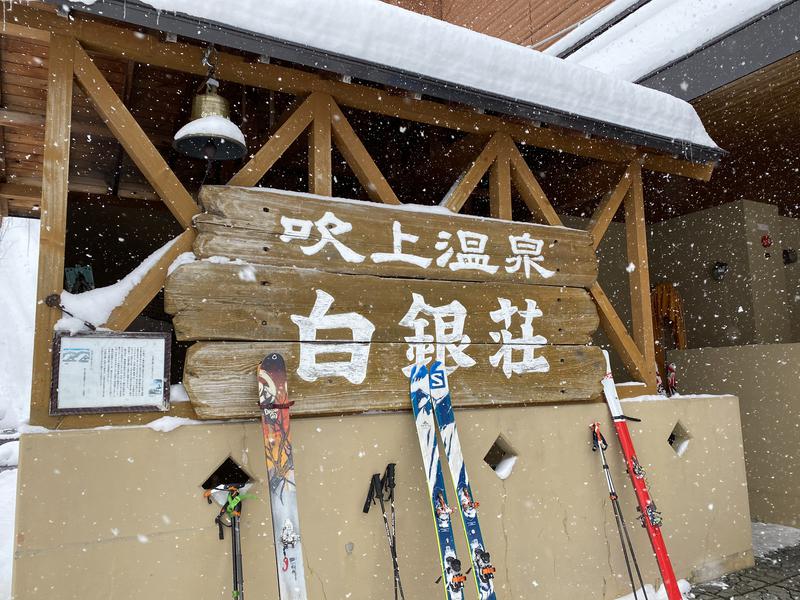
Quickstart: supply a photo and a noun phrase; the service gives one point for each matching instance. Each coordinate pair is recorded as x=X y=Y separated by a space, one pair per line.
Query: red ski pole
x=649 y=515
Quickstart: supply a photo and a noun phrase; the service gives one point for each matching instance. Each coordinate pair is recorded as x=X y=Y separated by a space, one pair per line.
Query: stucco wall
x=767 y=273
x=790 y=238
x=757 y=302
x=118 y=513
x=766 y=381
x=682 y=252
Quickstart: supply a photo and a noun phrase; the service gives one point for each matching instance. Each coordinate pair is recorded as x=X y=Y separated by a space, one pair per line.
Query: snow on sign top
x=374 y=32
x=654 y=35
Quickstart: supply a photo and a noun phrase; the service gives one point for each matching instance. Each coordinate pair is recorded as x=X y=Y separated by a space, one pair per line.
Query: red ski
x=649 y=515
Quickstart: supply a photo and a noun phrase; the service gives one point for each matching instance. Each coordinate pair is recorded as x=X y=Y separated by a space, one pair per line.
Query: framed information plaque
x=107 y=372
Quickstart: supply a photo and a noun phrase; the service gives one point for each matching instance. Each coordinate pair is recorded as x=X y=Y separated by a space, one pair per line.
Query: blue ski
x=420 y=395
x=482 y=568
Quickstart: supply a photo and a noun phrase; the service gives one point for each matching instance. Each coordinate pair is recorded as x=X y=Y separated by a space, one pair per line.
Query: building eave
x=142 y=15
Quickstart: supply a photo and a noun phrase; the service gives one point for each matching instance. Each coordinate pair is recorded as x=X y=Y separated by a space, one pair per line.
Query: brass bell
x=210 y=135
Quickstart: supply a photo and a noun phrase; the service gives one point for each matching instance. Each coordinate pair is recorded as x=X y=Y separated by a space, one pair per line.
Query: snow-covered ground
x=8 y=498
x=19 y=255
x=768 y=537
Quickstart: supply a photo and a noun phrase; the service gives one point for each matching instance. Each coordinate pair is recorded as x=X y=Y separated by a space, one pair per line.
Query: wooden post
x=320 y=177
x=53 y=225
x=500 y=185
x=639 y=277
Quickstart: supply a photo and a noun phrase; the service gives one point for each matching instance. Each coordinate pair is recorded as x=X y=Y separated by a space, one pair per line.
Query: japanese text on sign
x=464 y=251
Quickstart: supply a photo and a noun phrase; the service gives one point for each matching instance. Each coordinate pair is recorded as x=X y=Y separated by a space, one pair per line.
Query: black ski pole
x=388 y=485
x=229 y=516
x=599 y=443
x=235 y=511
x=376 y=487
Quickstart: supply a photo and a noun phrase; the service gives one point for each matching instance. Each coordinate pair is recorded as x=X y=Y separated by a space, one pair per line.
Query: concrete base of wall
x=765 y=379
x=119 y=513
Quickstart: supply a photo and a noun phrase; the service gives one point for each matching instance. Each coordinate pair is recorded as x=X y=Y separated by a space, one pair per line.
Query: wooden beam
x=530 y=190
x=21 y=31
x=116 y=41
x=25 y=121
x=25 y=188
x=668 y=164
x=461 y=189
x=632 y=391
x=618 y=334
x=15 y=191
x=500 y=185
x=639 y=276
x=14 y=119
x=133 y=139
x=356 y=155
x=144 y=292
x=263 y=160
x=53 y=226
x=320 y=167
x=609 y=206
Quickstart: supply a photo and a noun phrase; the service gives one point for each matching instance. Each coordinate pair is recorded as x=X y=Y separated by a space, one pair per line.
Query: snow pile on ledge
x=167 y=424
x=184 y=258
x=378 y=33
x=96 y=306
x=19 y=256
x=656 y=34
x=178 y=393
x=9 y=454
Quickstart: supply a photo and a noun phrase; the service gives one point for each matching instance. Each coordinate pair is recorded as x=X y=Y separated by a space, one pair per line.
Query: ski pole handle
x=374 y=487
x=218 y=521
x=390 y=475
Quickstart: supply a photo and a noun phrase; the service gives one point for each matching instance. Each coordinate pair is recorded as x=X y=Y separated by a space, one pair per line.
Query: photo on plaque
x=103 y=372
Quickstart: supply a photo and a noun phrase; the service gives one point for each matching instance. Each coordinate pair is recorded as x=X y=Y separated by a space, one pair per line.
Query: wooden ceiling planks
x=93 y=164
x=756 y=119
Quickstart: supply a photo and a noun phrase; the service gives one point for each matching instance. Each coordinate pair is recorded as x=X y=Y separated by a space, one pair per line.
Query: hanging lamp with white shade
x=210 y=135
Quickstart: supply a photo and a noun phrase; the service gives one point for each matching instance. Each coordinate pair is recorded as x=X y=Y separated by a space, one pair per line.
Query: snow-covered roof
x=381 y=36
x=655 y=34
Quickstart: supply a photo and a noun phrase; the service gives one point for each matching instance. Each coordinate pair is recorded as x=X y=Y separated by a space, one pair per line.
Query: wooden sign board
x=355 y=293
x=272 y=227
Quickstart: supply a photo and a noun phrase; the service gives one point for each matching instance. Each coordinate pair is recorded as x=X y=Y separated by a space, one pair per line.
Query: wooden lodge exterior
x=96 y=98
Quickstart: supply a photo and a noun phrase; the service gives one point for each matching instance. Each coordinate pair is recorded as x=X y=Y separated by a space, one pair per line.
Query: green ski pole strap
x=235 y=500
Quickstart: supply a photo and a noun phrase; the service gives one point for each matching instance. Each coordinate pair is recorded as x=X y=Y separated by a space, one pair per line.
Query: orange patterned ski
x=273 y=400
